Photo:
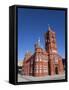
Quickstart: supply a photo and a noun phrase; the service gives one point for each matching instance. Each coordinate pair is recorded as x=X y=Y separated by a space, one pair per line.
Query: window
x=56 y=60
x=40 y=58
x=45 y=70
x=36 y=70
x=40 y=71
x=36 y=67
x=45 y=66
x=37 y=58
x=31 y=61
x=40 y=67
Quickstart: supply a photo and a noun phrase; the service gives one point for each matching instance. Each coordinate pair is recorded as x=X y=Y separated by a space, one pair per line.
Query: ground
x=22 y=78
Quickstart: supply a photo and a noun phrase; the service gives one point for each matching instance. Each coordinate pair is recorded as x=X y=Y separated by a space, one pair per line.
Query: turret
x=50 y=41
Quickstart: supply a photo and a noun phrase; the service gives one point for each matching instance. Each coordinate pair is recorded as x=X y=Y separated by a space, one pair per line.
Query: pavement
x=22 y=78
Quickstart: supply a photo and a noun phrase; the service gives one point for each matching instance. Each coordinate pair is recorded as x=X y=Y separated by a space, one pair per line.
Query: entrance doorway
x=56 y=70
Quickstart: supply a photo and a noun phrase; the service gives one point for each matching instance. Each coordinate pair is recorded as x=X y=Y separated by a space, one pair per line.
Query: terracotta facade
x=44 y=61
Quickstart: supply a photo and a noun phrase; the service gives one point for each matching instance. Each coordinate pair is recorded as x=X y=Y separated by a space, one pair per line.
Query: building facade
x=44 y=61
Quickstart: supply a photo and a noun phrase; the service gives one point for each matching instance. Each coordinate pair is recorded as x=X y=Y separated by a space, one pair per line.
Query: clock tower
x=53 y=58
x=50 y=41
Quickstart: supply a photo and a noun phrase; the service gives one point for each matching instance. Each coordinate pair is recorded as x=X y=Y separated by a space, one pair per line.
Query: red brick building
x=44 y=61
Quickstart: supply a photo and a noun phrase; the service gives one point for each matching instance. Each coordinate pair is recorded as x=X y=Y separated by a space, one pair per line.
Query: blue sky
x=33 y=23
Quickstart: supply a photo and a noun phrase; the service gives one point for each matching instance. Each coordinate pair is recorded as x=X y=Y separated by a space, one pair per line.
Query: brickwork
x=44 y=61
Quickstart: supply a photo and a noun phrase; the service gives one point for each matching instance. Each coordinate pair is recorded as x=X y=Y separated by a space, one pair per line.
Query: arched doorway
x=56 y=70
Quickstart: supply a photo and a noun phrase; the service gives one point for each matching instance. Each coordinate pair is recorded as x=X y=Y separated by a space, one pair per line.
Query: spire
x=49 y=28
x=37 y=43
x=27 y=51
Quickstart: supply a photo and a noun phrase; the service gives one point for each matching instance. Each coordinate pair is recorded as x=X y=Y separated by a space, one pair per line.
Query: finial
x=27 y=51
x=48 y=25
x=39 y=41
x=49 y=28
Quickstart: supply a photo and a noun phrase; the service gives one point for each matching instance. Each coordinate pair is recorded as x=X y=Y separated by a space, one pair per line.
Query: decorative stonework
x=43 y=62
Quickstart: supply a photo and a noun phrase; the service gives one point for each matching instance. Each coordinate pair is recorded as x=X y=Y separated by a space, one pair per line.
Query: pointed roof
x=49 y=28
x=37 y=43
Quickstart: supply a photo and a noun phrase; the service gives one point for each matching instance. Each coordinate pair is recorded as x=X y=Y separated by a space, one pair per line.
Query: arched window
x=56 y=60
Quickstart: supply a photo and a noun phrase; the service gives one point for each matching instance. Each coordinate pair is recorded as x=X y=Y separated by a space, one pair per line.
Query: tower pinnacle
x=49 y=28
x=37 y=43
